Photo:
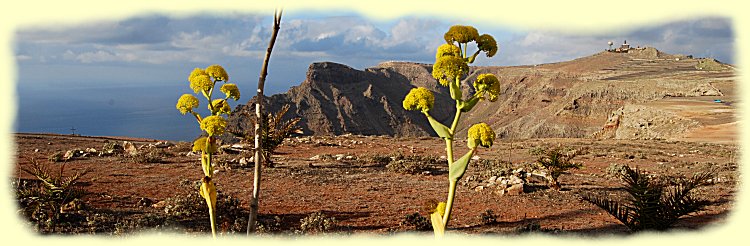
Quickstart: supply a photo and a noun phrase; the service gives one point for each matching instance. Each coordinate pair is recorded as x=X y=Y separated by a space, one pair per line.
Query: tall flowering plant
x=451 y=65
x=204 y=82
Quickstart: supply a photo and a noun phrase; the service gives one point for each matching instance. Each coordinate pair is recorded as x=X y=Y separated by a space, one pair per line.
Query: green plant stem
x=455 y=121
x=449 y=203
x=211 y=216
x=452 y=183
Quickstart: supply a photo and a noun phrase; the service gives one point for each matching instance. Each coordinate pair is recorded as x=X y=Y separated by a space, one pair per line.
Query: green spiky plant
x=274 y=130
x=653 y=204
x=451 y=65
x=45 y=203
x=556 y=161
x=203 y=82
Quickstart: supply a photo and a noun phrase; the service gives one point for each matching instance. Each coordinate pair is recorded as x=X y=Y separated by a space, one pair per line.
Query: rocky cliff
x=568 y=99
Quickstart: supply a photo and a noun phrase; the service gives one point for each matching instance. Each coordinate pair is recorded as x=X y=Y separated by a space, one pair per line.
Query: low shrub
x=653 y=203
x=317 y=223
x=556 y=161
x=53 y=200
x=417 y=221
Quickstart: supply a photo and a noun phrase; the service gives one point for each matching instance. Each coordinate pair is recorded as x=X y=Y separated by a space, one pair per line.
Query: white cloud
x=164 y=40
x=24 y=57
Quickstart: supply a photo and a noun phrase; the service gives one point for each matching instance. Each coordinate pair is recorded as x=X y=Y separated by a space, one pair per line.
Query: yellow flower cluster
x=221 y=106
x=448 y=68
x=461 y=34
x=480 y=134
x=487 y=83
x=487 y=44
x=231 y=91
x=217 y=72
x=187 y=103
x=447 y=50
x=214 y=125
x=199 y=81
x=200 y=145
x=419 y=98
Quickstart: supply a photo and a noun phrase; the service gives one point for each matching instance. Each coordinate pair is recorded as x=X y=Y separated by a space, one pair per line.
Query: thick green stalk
x=211 y=216
x=449 y=149
x=449 y=203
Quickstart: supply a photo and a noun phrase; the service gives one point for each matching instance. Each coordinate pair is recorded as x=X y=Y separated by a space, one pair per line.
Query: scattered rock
x=129 y=148
x=516 y=180
x=245 y=161
x=478 y=188
x=514 y=190
x=163 y=144
x=70 y=154
x=159 y=204
x=315 y=158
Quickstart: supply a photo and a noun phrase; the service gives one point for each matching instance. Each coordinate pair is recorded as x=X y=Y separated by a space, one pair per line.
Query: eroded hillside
x=607 y=95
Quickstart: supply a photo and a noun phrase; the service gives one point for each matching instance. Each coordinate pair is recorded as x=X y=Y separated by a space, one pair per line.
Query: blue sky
x=132 y=70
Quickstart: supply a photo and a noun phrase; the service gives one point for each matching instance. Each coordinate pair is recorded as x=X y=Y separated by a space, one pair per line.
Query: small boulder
x=163 y=144
x=514 y=190
x=129 y=148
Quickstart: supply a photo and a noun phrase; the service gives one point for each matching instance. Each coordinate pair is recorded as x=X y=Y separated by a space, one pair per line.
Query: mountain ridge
x=575 y=98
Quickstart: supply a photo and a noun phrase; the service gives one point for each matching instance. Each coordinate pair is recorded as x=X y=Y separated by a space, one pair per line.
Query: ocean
x=135 y=111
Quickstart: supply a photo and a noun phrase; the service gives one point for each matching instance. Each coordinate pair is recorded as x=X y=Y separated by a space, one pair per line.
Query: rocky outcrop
x=644 y=122
x=337 y=99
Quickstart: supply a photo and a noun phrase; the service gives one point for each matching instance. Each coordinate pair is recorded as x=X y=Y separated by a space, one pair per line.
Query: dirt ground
x=339 y=177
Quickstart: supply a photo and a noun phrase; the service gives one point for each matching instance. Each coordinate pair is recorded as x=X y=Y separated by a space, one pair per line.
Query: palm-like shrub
x=653 y=204
x=556 y=161
x=47 y=202
x=273 y=132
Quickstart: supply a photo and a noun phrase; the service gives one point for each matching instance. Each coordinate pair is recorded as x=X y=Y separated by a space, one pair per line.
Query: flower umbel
x=448 y=50
x=199 y=81
x=217 y=72
x=461 y=34
x=419 y=98
x=231 y=91
x=214 y=125
x=187 y=103
x=487 y=44
x=480 y=134
x=487 y=83
x=448 y=68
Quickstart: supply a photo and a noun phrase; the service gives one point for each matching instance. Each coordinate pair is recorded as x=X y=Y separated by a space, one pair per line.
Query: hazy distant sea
x=147 y=112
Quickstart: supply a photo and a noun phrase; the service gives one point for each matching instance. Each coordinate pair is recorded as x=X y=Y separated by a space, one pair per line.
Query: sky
x=123 y=76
